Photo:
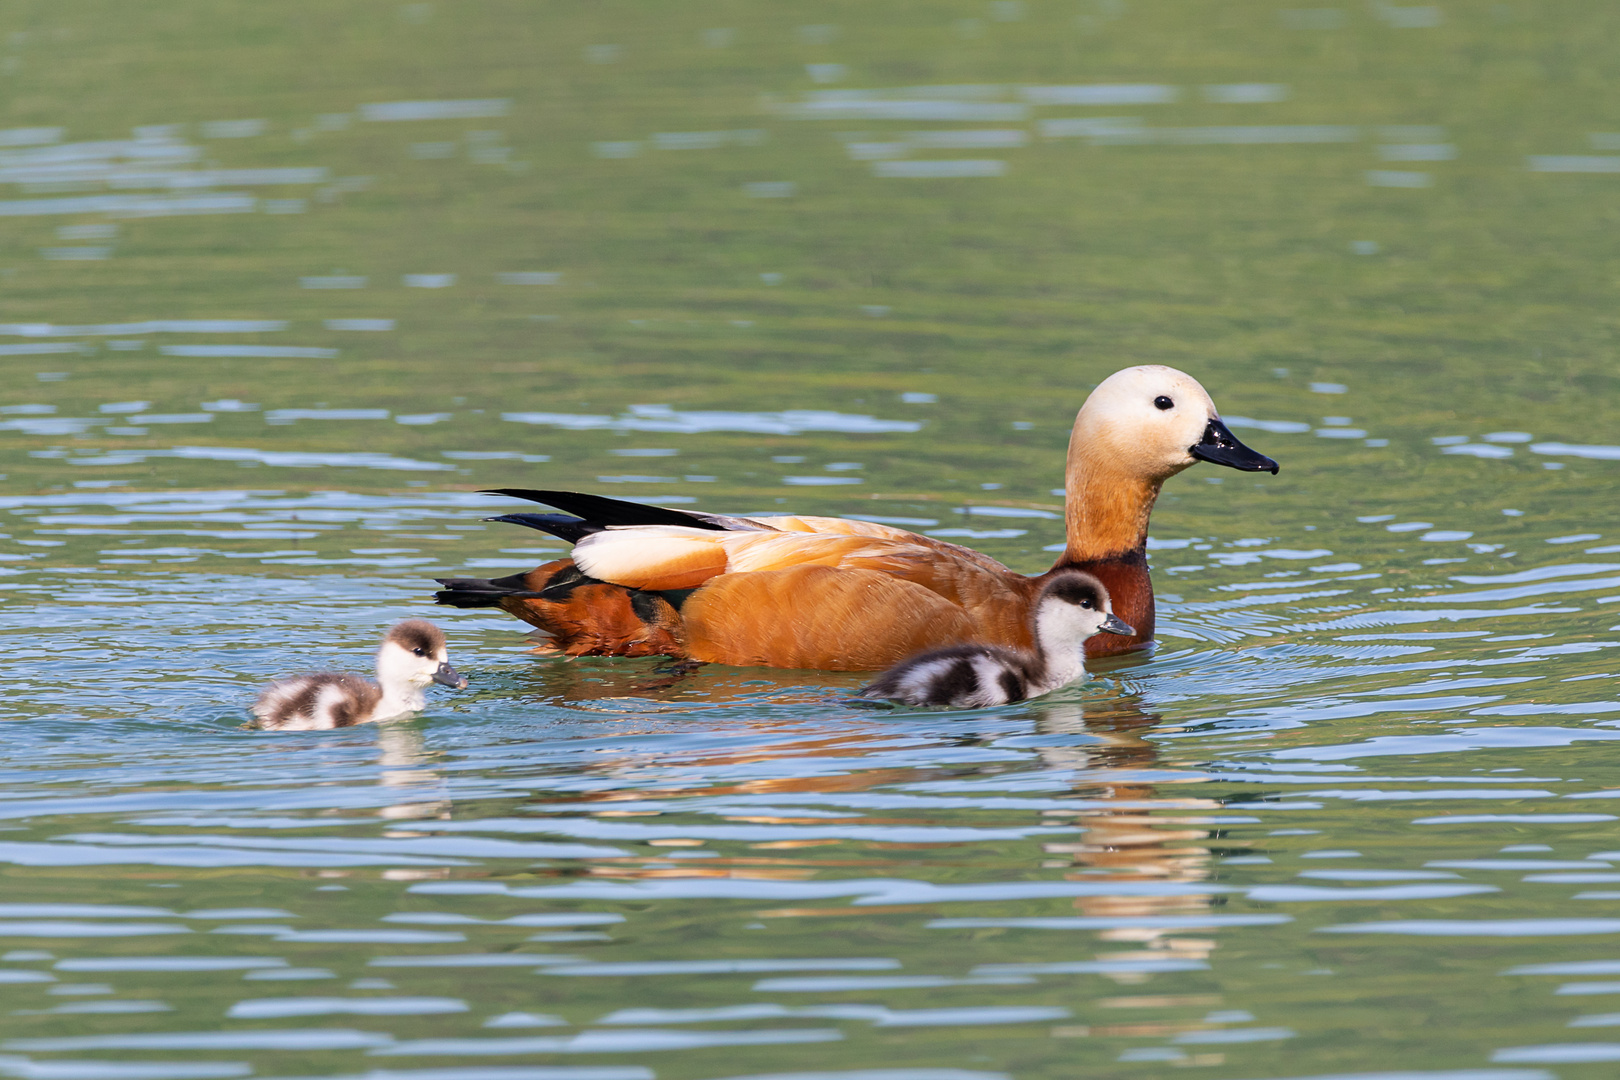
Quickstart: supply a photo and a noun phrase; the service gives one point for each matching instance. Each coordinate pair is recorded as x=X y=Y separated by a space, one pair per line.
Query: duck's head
x=1154 y=421
x=414 y=652
x=1073 y=606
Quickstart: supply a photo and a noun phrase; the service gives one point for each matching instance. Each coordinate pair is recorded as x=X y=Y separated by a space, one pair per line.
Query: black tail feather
x=562 y=526
x=479 y=592
x=602 y=512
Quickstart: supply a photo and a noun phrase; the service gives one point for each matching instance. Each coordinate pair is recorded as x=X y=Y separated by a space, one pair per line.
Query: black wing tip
x=531 y=494
x=562 y=526
x=602 y=512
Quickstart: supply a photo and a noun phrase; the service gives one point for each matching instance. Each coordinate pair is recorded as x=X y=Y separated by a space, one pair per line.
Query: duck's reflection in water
x=1129 y=836
x=641 y=686
x=1132 y=832
x=746 y=717
x=747 y=720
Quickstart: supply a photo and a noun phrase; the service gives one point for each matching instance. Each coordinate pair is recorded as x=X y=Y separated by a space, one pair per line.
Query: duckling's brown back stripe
x=1012 y=684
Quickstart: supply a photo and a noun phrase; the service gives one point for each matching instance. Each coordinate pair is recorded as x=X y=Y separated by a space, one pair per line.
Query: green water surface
x=292 y=282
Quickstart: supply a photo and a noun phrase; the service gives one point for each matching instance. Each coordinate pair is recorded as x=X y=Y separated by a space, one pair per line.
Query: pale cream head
x=1144 y=420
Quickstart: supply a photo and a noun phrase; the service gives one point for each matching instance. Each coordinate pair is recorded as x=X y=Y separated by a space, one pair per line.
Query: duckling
x=1071 y=607
x=412 y=654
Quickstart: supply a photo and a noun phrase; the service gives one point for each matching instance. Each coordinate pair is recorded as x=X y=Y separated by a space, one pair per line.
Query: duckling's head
x=1073 y=606
x=1154 y=421
x=414 y=652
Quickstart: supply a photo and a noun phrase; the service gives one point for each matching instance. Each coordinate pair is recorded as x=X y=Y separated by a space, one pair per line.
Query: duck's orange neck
x=1105 y=514
x=1107 y=508
x=1106 y=518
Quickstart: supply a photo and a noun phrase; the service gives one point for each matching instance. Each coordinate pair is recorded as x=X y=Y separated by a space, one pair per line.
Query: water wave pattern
x=1354 y=819
x=1326 y=773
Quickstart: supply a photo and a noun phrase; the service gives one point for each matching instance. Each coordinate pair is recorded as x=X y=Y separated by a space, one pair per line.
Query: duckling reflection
x=1130 y=842
x=402 y=751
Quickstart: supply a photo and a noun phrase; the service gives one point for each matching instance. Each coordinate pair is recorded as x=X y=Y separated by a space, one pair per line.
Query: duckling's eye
x=1162 y=402
x=1086 y=604
x=419 y=652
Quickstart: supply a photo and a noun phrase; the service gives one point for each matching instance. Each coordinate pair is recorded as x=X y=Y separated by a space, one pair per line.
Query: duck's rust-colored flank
x=1130 y=587
x=1072 y=608
x=583 y=616
x=837 y=594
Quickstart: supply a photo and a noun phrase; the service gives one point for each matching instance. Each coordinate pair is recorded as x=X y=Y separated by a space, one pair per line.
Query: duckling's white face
x=414 y=654
x=1073 y=607
x=1147 y=419
x=397 y=664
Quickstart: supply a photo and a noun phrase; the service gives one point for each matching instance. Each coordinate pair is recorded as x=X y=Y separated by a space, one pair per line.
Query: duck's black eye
x=1163 y=402
x=1086 y=604
x=419 y=652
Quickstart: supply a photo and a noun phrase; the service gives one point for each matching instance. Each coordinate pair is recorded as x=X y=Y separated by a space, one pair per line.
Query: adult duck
x=844 y=595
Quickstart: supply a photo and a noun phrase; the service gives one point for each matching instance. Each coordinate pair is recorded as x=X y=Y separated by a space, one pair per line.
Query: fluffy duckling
x=412 y=654
x=1070 y=608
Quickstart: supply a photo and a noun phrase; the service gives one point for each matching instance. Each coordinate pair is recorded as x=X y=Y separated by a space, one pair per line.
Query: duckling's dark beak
x=1115 y=625
x=1220 y=447
x=449 y=676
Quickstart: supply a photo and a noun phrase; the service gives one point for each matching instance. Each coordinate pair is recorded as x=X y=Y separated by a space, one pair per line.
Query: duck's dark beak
x=449 y=676
x=1220 y=447
x=1115 y=625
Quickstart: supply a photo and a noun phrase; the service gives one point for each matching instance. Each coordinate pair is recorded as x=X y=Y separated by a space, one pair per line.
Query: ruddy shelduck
x=845 y=595
x=411 y=656
x=1071 y=608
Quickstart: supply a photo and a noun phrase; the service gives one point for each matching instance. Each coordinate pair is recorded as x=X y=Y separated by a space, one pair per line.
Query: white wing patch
x=837 y=527
x=677 y=556
x=640 y=554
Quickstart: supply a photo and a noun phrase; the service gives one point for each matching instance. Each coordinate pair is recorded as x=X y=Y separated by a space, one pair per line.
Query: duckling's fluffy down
x=317 y=702
x=967 y=677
